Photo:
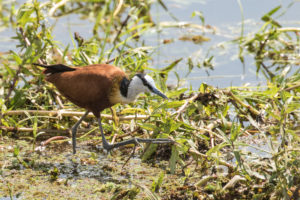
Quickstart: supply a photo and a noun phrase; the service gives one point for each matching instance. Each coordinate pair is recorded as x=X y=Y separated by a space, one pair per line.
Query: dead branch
x=113 y=59
x=22 y=129
x=52 y=139
x=118 y=8
x=292 y=87
x=183 y=107
x=66 y=113
x=212 y=137
x=240 y=102
x=124 y=23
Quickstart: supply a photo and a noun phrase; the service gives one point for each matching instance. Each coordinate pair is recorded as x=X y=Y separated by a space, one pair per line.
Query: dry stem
x=66 y=113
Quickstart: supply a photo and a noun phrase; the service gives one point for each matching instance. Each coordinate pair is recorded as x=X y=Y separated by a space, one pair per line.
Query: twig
x=128 y=134
x=57 y=98
x=78 y=38
x=113 y=59
x=70 y=114
x=114 y=138
x=233 y=182
x=258 y=55
x=183 y=107
x=85 y=124
x=121 y=28
x=236 y=99
x=212 y=138
x=288 y=29
x=22 y=129
x=188 y=164
x=56 y=6
x=27 y=42
x=114 y=116
x=52 y=139
x=115 y=120
x=267 y=70
x=13 y=85
x=132 y=154
x=292 y=87
x=117 y=10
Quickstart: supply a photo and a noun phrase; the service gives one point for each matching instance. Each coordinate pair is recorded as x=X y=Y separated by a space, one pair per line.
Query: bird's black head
x=139 y=83
x=149 y=84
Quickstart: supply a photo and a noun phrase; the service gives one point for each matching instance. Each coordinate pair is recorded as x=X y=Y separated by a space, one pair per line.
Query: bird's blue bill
x=156 y=91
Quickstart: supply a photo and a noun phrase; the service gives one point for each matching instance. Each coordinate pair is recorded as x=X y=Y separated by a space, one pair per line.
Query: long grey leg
x=105 y=143
x=134 y=141
x=74 y=130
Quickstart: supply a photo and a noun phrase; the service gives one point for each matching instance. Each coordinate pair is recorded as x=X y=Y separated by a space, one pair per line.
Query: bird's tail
x=52 y=69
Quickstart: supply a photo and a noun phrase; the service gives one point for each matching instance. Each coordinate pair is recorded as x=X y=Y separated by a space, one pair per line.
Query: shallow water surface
x=225 y=20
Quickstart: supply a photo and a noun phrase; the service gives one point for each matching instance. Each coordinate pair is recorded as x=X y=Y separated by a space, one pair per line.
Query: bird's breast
x=117 y=97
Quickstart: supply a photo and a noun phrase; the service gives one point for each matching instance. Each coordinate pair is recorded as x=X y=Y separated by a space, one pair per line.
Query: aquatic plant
x=235 y=142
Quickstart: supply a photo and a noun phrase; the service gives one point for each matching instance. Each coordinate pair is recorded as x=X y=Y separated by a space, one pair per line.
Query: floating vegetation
x=231 y=143
x=197 y=39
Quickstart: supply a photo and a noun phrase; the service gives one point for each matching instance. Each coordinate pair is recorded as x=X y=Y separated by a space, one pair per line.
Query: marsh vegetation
x=237 y=142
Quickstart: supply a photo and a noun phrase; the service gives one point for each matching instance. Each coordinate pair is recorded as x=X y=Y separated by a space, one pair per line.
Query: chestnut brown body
x=93 y=87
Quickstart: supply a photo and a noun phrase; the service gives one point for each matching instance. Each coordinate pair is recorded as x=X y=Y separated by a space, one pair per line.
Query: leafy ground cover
x=234 y=143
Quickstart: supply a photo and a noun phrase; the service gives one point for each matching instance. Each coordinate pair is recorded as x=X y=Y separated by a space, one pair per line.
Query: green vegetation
x=231 y=143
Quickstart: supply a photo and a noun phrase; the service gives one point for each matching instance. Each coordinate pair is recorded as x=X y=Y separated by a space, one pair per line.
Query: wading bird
x=99 y=86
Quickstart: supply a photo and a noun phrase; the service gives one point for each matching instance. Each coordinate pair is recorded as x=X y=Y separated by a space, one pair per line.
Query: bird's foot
x=156 y=141
x=136 y=141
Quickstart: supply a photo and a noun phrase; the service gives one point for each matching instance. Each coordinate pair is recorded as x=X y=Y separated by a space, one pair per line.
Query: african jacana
x=100 y=86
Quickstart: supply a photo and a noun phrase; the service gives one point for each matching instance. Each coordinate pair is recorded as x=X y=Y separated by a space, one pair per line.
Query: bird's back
x=89 y=87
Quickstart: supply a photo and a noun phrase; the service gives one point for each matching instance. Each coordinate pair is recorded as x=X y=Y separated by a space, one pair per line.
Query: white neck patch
x=136 y=86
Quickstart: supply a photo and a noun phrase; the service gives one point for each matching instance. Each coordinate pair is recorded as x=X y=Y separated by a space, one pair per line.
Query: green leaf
x=10 y=71
x=34 y=126
x=148 y=126
x=176 y=93
x=177 y=77
x=17 y=58
x=16 y=151
x=237 y=156
x=225 y=111
x=267 y=17
x=203 y=87
x=200 y=15
x=65 y=52
x=217 y=148
x=234 y=132
x=172 y=104
x=173 y=159
x=170 y=126
x=292 y=107
x=274 y=10
x=148 y=153
x=171 y=66
x=191 y=66
x=157 y=184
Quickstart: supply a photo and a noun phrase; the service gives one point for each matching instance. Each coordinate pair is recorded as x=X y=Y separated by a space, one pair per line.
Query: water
x=224 y=16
